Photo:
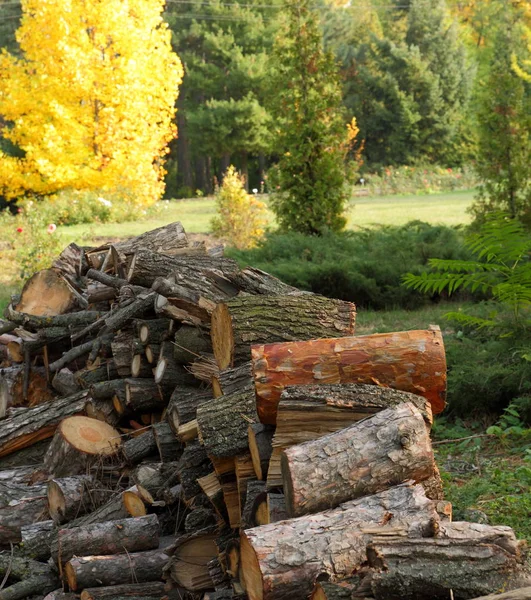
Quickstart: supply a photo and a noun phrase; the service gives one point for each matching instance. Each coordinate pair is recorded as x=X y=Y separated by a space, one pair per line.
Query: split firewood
x=36 y=540
x=422 y=568
x=193 y=465
x=223 y=423
x=230 y=381
x=204 y=368
x=253 y=489
x=78 y=443
x=153 y=331
x=211 y=486
x=240 y=322
x=276 y=507
x=183 y=405
x=112 y=537
x=47 y=294
x=72 y=497
x=375 y=359
x=283 y=559
x=38 y=423
x=374 y=454
x=90 y=571
x=188 y=432
x=244 y=471
x=168 y=446
x=154 y=590
x=260 y=439
x=34 y=578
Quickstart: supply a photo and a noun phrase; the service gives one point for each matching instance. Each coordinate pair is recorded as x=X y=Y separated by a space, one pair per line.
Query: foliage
x=31 y=238
x=504 y=123
x=364 y=266
x=241 y=218
x=91 y=101
x=310 y=128
x=418 y=179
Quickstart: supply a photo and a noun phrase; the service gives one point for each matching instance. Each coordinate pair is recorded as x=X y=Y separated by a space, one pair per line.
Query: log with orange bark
x=411 y=361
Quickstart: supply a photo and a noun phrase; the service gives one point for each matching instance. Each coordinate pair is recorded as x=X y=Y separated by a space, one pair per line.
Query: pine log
x=139 y=447
x=64 y=382
x=122 y=352
x=38 y=423
x=154 y=590
x=168 y=239
x=17 y=475
x=73 y=497
x=246 y=320
x=368 y=457
x=223 y=423
x=256 y=282
x=36 y=539
x=143 y=395
x=112 y=537
x=115 y=569
x=413 y=569
x=411 y=361
x=282 y=560
x=260 y=446
x=169 y=447
x=230 y=381
x=46 y=293
x=153 y=331
x=191 y=270
x=34 y=578
x=183 y=404
x=78 y=443
x=500 y=535
x=193 y=465
x=190 y=343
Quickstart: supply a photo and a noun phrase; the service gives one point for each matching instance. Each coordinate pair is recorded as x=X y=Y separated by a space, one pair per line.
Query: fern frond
x=465 y=266
x=476 y=322
x=435 y=283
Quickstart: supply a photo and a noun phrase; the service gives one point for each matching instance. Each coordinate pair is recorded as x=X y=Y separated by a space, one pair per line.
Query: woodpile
x=173 y=426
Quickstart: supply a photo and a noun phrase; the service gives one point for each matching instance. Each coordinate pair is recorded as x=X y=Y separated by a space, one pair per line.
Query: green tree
x=311 y=135
x=504 y=122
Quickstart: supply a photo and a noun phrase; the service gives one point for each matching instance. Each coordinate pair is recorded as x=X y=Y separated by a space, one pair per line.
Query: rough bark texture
x=72 y=497
x=139 y=447
x=183 y=405
x=112 y=537
x=411 y=361
x=65 y=383
x=276 y=507
x=92 y=571
x=421 y=568
x=105 y=390
x=342 y=590
x=223 y=423
x=169 y=447
x=143 y=395
x=246 y=320
x=257 y=282
x=282 y=560
x=153 y=589
x=230 y=381
x=193 y=465
x=254 y=489
x=38 y=423
x=168 y=239
x=75 y=319
x=122 y=352
x=35 y=578
x=137 y=308
x=370 y=456
x=519 y=594
x=36 y=540
x=190 y=343
x=153 y=331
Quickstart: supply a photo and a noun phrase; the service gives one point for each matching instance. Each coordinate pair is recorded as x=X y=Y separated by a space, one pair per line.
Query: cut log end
x=90 y=435
x=222 y=336
x=56 y=500
x=70 y=575
x=250 y=567
x=134 y=504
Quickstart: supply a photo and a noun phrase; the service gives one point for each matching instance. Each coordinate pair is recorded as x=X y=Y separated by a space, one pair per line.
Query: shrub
x=364 y=266
x=241 y=218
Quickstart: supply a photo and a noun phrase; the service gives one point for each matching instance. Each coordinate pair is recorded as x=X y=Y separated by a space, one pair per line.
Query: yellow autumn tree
x=90 y=104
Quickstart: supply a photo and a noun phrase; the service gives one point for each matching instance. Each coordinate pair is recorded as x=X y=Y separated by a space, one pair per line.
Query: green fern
x=503 y=270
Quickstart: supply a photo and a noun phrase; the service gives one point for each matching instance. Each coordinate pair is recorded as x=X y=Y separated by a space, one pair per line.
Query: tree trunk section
x=36 y=540
x=411 y=361
x=143 y=395
x=183 y=405
x=193 y=465
x=260 y=439
x=169 y=447
x=168 y=239
x=122 y=352
x=282 y=560
x=190 y=343
x=73 y=497
x=139 y=447
x=117 y=569
x=257 y=282
x=243 y=321
x=46 y=293
x=35 y=578
x=230 y=381
x=153 y=590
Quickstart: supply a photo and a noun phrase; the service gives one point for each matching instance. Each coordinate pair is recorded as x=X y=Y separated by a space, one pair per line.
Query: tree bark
x=36 y=539
x=169 y=447
x=38 y=423
x=65 y=383
x=190 y=343
x=282 y=560
x=411 y=361
x=223 y=423
x=230 y=381
x=112 y=537
x=253 y=491
x=143 y=395
x=36 y=322
x=103 y=372
x=138 y=307
x=20 y=506
x=256 y=282
x=116 y=569
x=260 y=439
x=153 y=590
x=183 y=405
x=193 y=465
x=153 y=331
x=72 y=497
x=519 y=594
x=368 y=457
x=139 y=447
x=240 y=322
x=168 y=239
x=35 y=578
x=413 y=569
x=122 y=352
x=276 y=507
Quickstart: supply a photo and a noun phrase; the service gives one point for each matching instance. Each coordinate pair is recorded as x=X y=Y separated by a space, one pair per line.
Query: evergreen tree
x=310 y=132
x=504 y=123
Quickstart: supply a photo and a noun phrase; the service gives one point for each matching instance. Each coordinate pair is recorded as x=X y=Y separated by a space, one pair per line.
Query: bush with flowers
x=418 y=179
x=28 y=239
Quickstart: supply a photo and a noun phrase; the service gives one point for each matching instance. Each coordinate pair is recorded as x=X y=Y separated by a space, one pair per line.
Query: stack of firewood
x=175 y=426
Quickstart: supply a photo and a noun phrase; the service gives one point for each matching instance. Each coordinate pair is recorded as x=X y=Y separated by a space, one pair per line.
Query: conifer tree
x=90 y=103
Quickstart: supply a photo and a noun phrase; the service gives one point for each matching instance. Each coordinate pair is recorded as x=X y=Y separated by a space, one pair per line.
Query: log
x=230 y=381
x=32 y=455
x=35 y=578
x=20 y=506
x=38 y=423
x=154 y=590
x=193 y=465
x=36 y=539
x=260 y=446
x=190 y=343
x=102 y=372
x=141 y=367
x=143 y=395
x=223 y=423
x=253 y=490
x=78 y=443
x=139 y=447
x=112 y=537
x=18 y=475
x=93 y=348
x=122 y=352
x=518 y=594
x=187 y=432
x=36 y=322
x=500 y=535
x=410 y=361
x=256 y=282
x=244 y=471
x=342 y=590
x=103 y=410
x=420 y=568
x=141 y=305
x=276 y=507
x=168 y=373
x=169 y=447
x=105 y=390
x=282 y=560
x=15 y=391
x=183 y=405
x=168 y=239
x=156 y=477
x=46 y=293
x=69 y=262
x=90 y=571
x=211 y=486
x=153 y=331
x=204 y=368
x=152 y=353
x=240 y=322
x=368 y=457
x=200 y=518
x=72 y=497
x=60 y=595
x=64 y=382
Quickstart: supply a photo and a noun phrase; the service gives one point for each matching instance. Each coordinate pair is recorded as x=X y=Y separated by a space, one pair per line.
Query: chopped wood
x=72 y=497
x=36 y=540
x=46 y=294
x=190 y=343
x=143 y=395
x=375 y=359
x=242 y=321
x=154 y=590
x=276 y=507
x=153 y=331
x=34 y=578
x=254 y=488
x=183 y=405
x=64 y=382
x=233 y=380
x=139 y=447
x=168 y=446
x=168 y=239
x=260 y=446
x=193 y=465
x=518 y=594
